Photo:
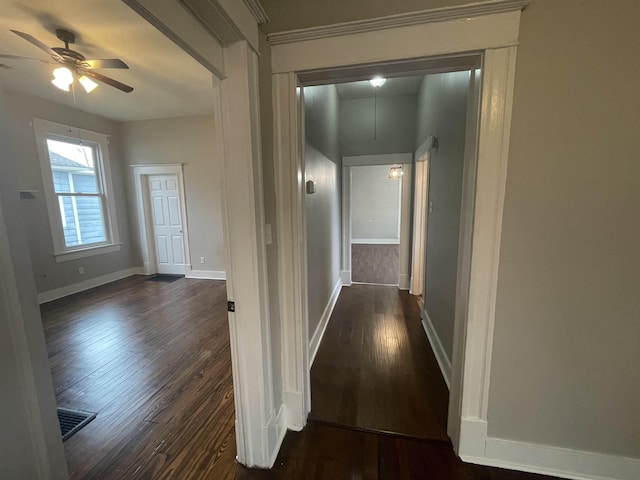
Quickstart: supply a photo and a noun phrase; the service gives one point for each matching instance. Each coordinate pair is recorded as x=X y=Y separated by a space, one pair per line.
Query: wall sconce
x=310 y=186
x=395 y=172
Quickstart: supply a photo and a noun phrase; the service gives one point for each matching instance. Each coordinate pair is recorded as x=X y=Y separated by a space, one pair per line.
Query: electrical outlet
x=80 y=270
x=201 y=259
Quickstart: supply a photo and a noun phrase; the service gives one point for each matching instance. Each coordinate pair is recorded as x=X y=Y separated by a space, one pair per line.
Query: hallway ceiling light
x=377 y=82
x=395 y=172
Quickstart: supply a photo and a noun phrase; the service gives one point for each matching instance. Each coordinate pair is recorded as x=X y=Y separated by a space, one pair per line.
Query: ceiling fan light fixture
x=62 y=78
x=88 y=84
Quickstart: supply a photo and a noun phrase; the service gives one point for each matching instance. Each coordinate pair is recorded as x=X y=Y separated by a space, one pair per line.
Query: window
x=77 y=186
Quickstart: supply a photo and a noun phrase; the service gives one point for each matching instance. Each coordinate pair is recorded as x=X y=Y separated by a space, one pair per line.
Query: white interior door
x=166 y=211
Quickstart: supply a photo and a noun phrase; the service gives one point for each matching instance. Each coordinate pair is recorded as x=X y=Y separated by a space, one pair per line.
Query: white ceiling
x=393 y=86
x=167 y=82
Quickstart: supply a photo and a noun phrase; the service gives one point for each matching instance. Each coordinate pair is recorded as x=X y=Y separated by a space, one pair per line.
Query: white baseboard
x=294 y=416
x=275 y=431
x=404 y=281
x=205 y=274
x=314 y=344
x=375 y=241
x=346 y=277
x=78 y=287
x=559 y=462
x=438 y=349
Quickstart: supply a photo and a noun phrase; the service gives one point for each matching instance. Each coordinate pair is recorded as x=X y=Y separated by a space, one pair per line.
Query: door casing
x=141 y=175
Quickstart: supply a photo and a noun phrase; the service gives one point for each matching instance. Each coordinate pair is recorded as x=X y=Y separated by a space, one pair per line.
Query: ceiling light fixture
x=88 y=84
x=62 y=78
x=395 y=172
x=377 y=82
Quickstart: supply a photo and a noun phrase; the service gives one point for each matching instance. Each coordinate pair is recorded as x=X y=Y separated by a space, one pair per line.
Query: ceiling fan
x=71 y=62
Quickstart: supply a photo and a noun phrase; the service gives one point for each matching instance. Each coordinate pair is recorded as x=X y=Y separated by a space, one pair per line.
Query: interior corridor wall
x=323 y=166
x=442 y=108
x=375 y=127
x=186 y=140
x=566 y=351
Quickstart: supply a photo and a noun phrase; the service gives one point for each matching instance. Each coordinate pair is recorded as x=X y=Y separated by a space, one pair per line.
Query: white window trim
x=45 y=129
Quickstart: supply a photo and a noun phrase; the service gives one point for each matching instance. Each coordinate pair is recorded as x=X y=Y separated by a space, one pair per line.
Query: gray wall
x=395 y=130
x=442 y=107
x=22 y=108
x=30 y=444
x=566 y=349
x=185 y=140
x=323 y=166
x=375 y=203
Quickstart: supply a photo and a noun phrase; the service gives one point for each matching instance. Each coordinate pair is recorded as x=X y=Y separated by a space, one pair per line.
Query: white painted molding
x=293 y=403
x=438 y=349
x=404 y=281
x=422 y=153
x=396 y=47
x=183 y=29
x=345 y=275
x=258 y=11
x=376 y=241
x=554 y=461
x=205 y=274
x=141 y=173
x=494 y=38
x=292 y=243
x=78 y=287
x=314 y=344
x=400 y=20
x=276 y=431
x=382 y=159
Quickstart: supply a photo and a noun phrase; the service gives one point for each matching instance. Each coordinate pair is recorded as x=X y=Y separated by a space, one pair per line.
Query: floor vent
x=72 y=420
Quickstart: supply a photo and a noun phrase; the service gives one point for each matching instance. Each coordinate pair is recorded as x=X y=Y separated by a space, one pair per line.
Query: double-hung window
x=77 y=187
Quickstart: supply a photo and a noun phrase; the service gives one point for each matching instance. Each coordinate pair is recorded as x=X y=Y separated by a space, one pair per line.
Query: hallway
x=375 y=369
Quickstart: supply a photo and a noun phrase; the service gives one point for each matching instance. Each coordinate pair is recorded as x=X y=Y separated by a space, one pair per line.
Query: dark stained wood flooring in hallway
x=153 y=360
x=375 y=369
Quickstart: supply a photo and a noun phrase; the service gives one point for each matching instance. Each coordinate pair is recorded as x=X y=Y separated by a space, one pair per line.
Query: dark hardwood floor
x=375 y=369
x=153 y=360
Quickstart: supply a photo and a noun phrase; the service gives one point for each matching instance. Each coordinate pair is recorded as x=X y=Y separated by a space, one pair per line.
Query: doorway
x=163 y=225
x=166 y=218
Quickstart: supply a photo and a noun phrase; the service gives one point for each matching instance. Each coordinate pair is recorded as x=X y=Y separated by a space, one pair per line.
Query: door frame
x=405 y=160
x=141 y=175
x=365 y=49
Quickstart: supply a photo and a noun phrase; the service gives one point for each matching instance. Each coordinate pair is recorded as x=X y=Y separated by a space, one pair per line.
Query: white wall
x=442 y=106
x=566 y=349
x=49 y=275
x=375 y=205
x=323 y=166
x=186 y=140
x=392 y=121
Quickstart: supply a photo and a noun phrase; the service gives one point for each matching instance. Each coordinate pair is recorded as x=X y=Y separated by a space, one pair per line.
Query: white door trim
x=141 y=175
x=419 y=243
x=494 y=37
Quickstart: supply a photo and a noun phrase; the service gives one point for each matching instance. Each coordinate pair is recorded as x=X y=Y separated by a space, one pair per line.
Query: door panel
x=167 y=223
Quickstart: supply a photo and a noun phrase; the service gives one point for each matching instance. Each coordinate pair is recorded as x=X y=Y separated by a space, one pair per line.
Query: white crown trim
x=400 y=20
x=257 y=10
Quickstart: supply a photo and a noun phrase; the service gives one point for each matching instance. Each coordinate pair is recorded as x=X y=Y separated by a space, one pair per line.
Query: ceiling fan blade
x=105 y=63
x=34 y=41
x=107 y=80
x=16 y=57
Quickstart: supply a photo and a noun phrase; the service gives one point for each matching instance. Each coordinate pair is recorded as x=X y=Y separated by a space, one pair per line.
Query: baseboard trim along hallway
x=314 y=344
